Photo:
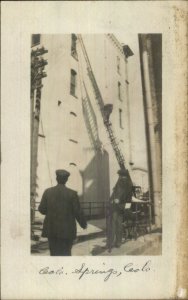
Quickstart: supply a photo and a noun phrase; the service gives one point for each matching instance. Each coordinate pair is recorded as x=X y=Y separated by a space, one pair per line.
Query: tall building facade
x=71 y=132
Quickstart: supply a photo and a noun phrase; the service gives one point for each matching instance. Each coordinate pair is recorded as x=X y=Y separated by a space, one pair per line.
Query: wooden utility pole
x=37 y=73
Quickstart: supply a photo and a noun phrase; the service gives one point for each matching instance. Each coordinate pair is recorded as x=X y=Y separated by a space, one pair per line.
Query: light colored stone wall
x=93 y=177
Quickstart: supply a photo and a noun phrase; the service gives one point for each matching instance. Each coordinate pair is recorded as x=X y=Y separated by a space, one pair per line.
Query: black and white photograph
x=94 y=150
x=96 y=144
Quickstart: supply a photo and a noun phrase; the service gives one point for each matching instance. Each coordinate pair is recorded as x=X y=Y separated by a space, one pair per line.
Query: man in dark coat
x=61 y=208
x=121 y=195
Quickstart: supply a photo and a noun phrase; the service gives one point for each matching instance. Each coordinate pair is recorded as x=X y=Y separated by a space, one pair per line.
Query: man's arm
x=78 y=213
x=43 y=204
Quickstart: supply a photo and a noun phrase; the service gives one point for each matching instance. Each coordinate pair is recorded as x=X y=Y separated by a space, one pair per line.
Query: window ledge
x=41 y=135
x=36 y=44
x=73 y=141
x=75 y=57
x=74 y=96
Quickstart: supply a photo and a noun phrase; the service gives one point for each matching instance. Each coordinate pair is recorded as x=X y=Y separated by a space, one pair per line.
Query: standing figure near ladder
x=121 y=195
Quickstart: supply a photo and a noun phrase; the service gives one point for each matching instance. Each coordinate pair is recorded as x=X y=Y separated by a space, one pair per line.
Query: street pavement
x=92 y=242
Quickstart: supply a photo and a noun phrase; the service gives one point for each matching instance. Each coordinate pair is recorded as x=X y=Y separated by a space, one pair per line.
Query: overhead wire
x=46 y=152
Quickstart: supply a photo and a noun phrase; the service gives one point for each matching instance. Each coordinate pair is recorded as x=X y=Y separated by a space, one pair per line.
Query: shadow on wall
x=96 y=185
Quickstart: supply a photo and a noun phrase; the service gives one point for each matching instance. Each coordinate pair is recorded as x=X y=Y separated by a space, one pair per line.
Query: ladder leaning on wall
x=105 y=109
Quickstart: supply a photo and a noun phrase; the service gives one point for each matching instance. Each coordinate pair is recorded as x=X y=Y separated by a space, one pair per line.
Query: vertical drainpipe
x=127 y=53
x=129 y=123
x=32 y=197
x=152 y=144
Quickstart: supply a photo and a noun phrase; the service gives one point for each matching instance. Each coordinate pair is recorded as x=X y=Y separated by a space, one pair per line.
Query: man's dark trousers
x=60 y=247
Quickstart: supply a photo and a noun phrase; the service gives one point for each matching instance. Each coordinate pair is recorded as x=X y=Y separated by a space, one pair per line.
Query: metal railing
x=90 y=209
x=94 y=208
x=137 y=219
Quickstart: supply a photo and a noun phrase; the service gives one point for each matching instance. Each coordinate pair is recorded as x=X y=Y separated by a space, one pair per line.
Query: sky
x=136 y=101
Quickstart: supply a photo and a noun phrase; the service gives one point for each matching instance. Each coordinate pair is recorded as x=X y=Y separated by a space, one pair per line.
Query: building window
x=120 y=119
x=41 y=135
x=73 y=46
x=35 y=39
x=73 y=83
x=118 y=64
x=119 y=91
x=73 y=141
x=73 y=113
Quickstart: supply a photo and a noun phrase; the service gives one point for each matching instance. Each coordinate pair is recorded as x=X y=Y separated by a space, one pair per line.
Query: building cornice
x=115 y=42
x=124 y=49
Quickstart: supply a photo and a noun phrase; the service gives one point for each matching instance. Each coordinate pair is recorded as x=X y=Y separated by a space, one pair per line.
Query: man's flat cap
x=123 y=172
x=62 y=173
